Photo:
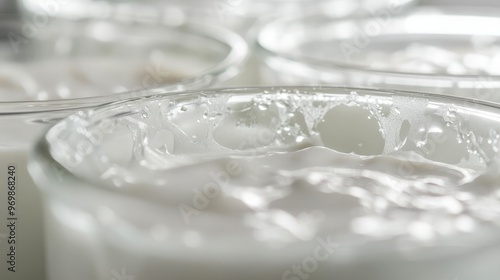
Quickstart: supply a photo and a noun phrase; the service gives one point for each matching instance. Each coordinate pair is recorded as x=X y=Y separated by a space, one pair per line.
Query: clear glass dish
x=274 y=183
x=76 y=59
x=445 y=50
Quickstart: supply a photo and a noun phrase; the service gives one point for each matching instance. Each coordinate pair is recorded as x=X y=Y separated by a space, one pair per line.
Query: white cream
x=221 y=186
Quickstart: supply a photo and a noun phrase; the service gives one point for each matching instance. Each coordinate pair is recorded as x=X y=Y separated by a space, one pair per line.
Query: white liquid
x=393 y=205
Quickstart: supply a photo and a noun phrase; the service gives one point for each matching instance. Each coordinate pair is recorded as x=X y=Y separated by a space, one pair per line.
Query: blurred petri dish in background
x=248 y=183
x=58 y=59
x=446 y=50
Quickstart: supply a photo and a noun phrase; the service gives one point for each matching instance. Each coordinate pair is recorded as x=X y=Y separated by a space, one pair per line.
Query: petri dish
x=242 y=16
x=450 y=50
x=273 y=183
x=65 y=66
x=54 y=59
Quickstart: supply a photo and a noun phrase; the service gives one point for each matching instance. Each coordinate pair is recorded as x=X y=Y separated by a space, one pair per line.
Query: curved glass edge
x=265 y=52
x=45 y=168
x=230 y=66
